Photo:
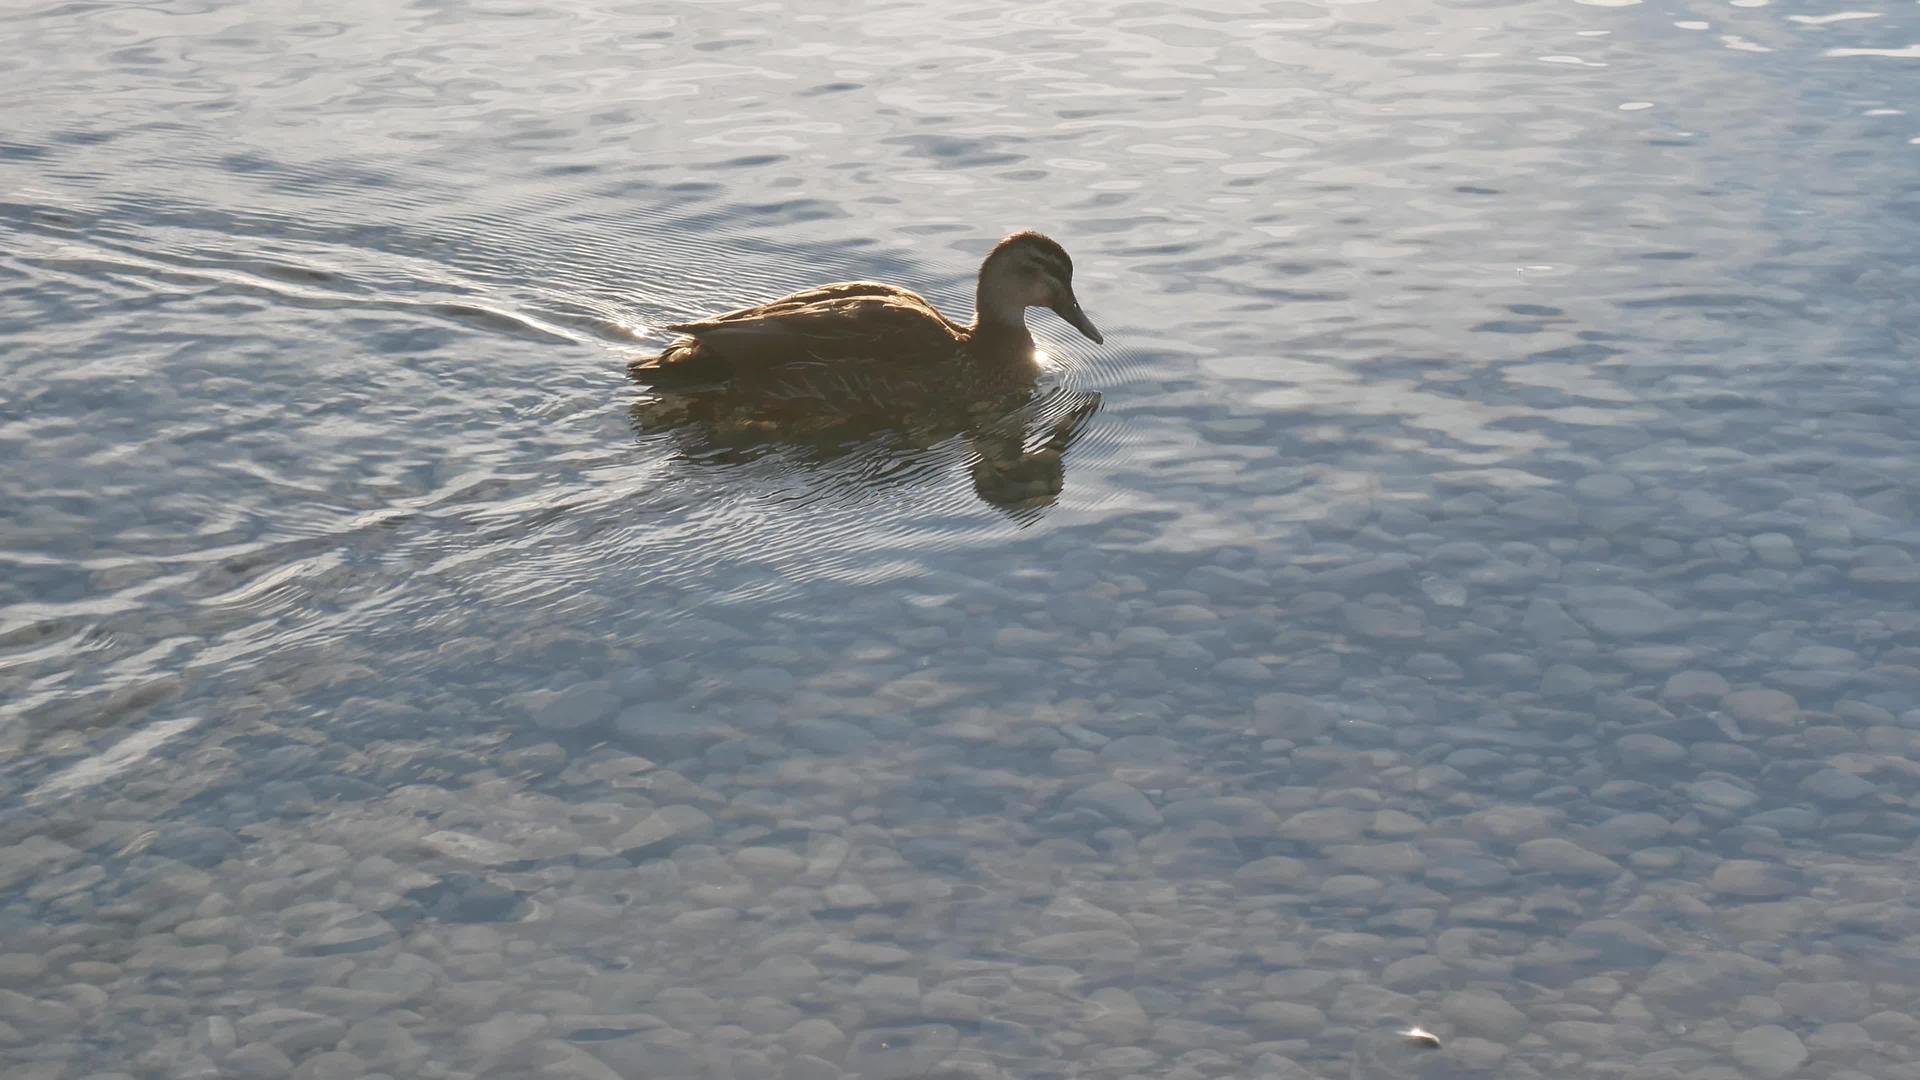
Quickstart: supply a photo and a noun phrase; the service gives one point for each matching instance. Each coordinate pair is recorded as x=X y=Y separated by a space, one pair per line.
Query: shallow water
x=1486 y=596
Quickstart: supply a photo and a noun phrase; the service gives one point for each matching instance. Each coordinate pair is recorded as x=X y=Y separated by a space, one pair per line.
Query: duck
x=870 y=337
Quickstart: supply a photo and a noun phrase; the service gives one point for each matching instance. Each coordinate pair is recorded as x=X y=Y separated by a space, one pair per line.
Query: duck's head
x=1027 y=270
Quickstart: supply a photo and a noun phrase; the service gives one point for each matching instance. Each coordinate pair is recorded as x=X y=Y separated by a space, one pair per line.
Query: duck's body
x=872 y=340
x=809 y=334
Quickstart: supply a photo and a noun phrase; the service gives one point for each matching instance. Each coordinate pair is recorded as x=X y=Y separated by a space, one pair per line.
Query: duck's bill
x=1069 y=309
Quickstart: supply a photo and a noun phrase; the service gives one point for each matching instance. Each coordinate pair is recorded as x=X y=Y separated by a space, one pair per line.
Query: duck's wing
x=833 y=323
x=839 y=290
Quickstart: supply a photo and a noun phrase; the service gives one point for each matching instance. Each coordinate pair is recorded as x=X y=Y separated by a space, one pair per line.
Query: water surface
x=1485 y=596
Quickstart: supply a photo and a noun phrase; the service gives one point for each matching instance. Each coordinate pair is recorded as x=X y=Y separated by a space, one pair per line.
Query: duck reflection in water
x=837 y=367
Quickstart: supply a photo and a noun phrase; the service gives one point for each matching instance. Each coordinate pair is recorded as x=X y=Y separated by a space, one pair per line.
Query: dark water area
x=1486 y=596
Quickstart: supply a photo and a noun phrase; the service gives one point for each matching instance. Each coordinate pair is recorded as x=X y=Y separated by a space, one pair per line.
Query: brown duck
x=870 y=339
